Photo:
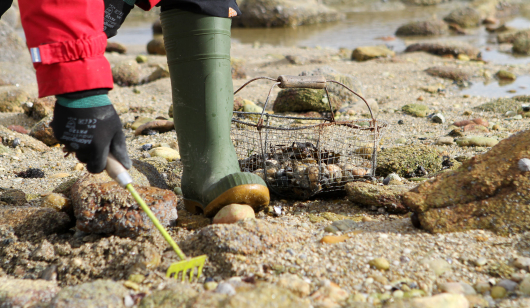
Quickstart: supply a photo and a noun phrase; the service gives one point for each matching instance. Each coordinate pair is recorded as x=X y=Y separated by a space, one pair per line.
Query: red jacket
x=67 y=44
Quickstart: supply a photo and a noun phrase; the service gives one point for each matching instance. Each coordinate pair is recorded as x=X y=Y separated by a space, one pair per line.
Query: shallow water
x=521 y=86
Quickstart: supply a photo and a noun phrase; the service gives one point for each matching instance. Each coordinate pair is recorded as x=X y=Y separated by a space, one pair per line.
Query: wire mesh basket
x=299 y=157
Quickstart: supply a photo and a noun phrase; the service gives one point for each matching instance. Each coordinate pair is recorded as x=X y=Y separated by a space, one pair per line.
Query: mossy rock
x=466 y=17
x=11 y=101
x=404 y=160
x=416 y=110
x=503 y=105
x=505 y=75
x=388 y=197
x=423 y=28
x=303 y=100
x=476 y=141
x=521 y=44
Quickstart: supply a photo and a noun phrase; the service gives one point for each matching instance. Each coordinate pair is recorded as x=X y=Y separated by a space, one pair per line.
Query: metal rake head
x=187 y=268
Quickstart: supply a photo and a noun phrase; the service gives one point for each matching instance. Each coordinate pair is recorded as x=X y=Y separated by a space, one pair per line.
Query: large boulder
x=15 y=62
x=489 y=191
x=465 y=17
x=447 y=48
x=102 y=206
x=423 y=28
x=284 y=13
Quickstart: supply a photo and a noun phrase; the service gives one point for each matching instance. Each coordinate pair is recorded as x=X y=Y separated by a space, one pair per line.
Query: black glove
x=4 y=6
x=115 y=13
x=91 y=133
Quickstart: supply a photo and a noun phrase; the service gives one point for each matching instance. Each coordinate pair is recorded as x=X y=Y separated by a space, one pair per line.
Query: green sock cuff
x=130 y=2
x=85 y=102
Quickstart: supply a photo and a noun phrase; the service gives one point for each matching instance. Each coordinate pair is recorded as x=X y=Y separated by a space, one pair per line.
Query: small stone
x=295 y=284
x=508 y=285
x=331 y=229
x=445 y=141
x=524 y=287
x=59 y=175
x=476 y=141
x=128 y=301
x=146 y=147
x=168 y=153
x=398 y=294
x=57 y=202
x=416 y=110
x=444 y=300
x=524 y=164
x=438 y=118
x=506 y=75
x=177 y=191
x=439 y=266
x=136 y=278
x=160 y=126
x=233 y=213
x=401 y=122
x=225 y=288
x=78 y=167
x=131 y=285
x=210 y=285
x=371 y=52
x=344 y=225
x=380 y=264
x=481 y=261
x=498 y=292
x=141 y=59
x=366 y=219
x=457 y=288
x=331 y=239
x=140 y=121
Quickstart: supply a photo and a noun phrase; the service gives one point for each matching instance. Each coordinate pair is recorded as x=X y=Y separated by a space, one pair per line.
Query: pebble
x=524 y=287
x=445 y=141
x=481 y=261
x=508 y=284
x=294 y=284
x=167 y=153
x=57 y=202
x=333 y=239
x=233 y=213
x=225 y=288
x=498 y=292
x=210 y=285
x=439 y=266
x=401 y=122
x=78 y=167
x=141 y=58
x=391 y=177
x=366 y=219
x=344 y=225
x=331 y=229
x=482 y=287
x=128 y=301
x=522 y=263
x=524 y=164
x=178 y=191
x=406 y=251
x=398 y=294
x=146 y=147
x=380 y=264
x=438 y=118
x=457 y=288
x=15 y=143
x=444 y=300
x=131 y=285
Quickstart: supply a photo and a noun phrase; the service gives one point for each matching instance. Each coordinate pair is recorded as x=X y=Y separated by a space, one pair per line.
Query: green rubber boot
x=198 y=53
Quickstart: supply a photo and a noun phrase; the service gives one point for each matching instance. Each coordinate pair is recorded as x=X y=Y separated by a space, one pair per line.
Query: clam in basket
x=300 y=157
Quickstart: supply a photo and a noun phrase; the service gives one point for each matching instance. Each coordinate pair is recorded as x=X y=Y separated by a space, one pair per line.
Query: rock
x=447 y=48
x=173 y=295
x=500 y=105
x=333 y=239
x=456 y=288
x=126 y=73
x=498 y=292
x=416 y=110
x=12 y=100
x=371 y=52
x=329 y=295
x=444 y=141
x=338 y=91
x=476 y=141
x=294 y=284
x=448 y=72
x=444 y=300
x=225 y=288
x=522 y=263
x=12 y=16
x=151 y=173
x=521 y=44
x=482 y=287
x=465 y=17
x=157 y=27
x=509 y=37
x=141 y=59
x=265 y=295
x=245 y=237
x=404 y=160
x=102 y=206
x=44 y=252
x=508 y=285
x=18 y=129
x=344 y=225
x=505 y=75
x=524 y=286
x=303 y=100
x=26 y=292
x=140 y=121
x=422 y=28
x=30 y=221
x=475 y=128
x=158 y=73
x=42 y=131
x=160 y=126
x=233 y=213
x=115 y=47
x=156 y=46
x=370 y=195
x=438 y=118
x=210 y=285
x=284 y=13
x=479 y=121
x=167 y=153
x=380 y=264
x=486 y=192
x=439 y=266
x=14 y=197
x=98 y=293
x=237 y=68
x=57 y=202
x=192 y=222
x=42 y=108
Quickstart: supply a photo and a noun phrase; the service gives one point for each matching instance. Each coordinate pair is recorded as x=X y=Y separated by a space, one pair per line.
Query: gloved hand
x=115 y=13
x=91 y=133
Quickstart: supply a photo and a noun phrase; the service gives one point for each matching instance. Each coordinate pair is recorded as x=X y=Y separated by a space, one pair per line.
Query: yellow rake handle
x=155 y=221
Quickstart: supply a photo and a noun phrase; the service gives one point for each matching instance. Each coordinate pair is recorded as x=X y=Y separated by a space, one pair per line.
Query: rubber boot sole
x=255 y=195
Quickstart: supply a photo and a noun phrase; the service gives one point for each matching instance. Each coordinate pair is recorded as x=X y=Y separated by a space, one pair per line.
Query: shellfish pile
x=300 y=170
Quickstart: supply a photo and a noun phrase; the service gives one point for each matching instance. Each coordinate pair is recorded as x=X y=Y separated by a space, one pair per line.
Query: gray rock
x=344 y=225
x=422 y=28
x=225 y=288
x=466 y=17
x=98 y=293
x=524 y=164
x=508 y=284
x=284 y=13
